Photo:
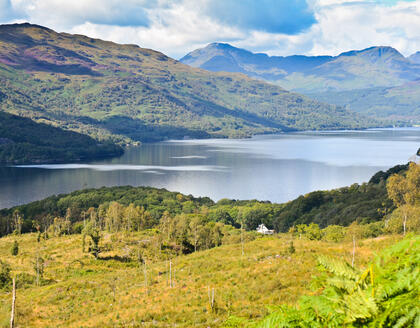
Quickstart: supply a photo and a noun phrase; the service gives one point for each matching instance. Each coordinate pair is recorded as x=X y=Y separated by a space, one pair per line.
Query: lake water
x=271 y=167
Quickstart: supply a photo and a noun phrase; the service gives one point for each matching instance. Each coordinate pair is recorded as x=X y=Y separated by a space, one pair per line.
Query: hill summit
x=357 y=69
x=128 y=93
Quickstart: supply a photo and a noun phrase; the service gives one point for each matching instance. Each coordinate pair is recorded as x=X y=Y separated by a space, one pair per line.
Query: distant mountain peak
x=415 y=58
x=377 y=51
x=25 y=25
x=376 y=66
x=110 y=90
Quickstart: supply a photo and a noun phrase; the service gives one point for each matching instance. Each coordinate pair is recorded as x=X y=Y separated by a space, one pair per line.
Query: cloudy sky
x=276 y=27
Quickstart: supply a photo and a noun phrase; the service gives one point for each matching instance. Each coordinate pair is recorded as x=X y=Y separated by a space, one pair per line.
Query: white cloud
x=176 y=27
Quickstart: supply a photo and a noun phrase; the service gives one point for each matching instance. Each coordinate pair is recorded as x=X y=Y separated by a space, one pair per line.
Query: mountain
x=399 y=103
x=25 y=141
x=415 y=58
x=224 y=57
x=325 y=77
x=127 y=93
x=368 y=68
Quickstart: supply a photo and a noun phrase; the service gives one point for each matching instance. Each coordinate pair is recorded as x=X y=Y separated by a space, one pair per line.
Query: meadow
x=78 y=290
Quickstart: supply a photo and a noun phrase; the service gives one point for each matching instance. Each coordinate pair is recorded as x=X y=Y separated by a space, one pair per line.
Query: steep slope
x=415 y=58
x=400 y=103
x=24 y=141
x=371 y=67
x=129 y=93
x=224 y=57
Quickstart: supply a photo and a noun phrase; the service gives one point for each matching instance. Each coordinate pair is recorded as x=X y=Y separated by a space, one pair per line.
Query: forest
x=24 y=141
x=138 y=208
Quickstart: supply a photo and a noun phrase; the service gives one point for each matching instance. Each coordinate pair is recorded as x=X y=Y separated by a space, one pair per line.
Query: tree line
x=362 y=203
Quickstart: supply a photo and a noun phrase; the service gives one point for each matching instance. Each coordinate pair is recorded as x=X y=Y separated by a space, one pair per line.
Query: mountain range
x=378 y=81
x=357 y=69
x=127 y=93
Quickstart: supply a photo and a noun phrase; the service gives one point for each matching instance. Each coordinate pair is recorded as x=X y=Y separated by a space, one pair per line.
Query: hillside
x=364 y=203
x=127 y=93
x=361 y=69
x=79 y=291
x=415 y=58
x=378 y=81
x=156 y=258
x=399 y=103
x=24 y=141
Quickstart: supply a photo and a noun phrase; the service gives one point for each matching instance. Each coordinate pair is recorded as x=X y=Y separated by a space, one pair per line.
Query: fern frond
x=338 y=267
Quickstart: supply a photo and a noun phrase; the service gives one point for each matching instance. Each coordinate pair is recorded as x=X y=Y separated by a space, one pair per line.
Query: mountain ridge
x=377 y=66
x=127 y=93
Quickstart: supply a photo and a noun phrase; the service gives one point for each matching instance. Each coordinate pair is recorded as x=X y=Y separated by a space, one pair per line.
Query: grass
x=83 y=292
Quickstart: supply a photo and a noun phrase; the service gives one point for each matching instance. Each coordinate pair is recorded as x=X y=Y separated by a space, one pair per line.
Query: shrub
x=383 y=295
x=334 y=233
x=291 y=248
x=15 y=248
x=5 y=278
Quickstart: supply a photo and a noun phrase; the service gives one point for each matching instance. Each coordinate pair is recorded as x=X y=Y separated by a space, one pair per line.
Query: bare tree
x=145 y=277
x=354 y=250
x=12 y=316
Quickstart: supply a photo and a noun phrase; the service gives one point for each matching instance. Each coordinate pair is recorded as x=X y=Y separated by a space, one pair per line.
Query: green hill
x=25 y=141
x=399 y=103
x=127 y=93
x=378 y=81
x=357 y=69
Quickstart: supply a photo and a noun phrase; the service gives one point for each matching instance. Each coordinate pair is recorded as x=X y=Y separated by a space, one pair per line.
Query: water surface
x=271 y=167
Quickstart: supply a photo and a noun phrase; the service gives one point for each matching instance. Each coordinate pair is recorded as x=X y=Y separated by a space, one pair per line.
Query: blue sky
x=277 y=27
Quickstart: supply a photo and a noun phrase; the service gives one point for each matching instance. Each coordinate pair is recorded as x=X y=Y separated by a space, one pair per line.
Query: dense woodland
x=137 y=208
x=25 y=141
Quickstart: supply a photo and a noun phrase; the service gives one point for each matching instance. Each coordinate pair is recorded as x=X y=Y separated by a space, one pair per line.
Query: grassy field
x=79 y=291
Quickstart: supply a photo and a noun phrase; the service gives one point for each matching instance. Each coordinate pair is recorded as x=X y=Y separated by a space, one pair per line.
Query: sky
x=276 y=27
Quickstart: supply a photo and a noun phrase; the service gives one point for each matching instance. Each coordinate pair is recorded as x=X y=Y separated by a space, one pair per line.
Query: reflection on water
x=271 y=167
x=122 y=167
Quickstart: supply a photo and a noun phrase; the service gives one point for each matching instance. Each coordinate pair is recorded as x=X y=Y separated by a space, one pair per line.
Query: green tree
x=334 y=233
x=405 y=192
x=95 y=235
x=313 y=232
x=114 y=217
x=15 y=248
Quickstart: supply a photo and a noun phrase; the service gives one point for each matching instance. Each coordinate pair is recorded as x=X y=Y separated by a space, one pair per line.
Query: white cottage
x=263 y=229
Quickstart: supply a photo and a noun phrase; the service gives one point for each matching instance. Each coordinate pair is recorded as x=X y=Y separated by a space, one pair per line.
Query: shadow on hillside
x=138 y=130
x=115 y=258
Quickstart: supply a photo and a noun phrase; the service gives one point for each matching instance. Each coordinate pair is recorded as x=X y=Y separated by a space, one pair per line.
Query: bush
x=77 y=228
x=313 y=232
x=24 y=280
x=15 y=248
x=291 y=248
x=383 y=295
x=5 y=278
x=334 y=233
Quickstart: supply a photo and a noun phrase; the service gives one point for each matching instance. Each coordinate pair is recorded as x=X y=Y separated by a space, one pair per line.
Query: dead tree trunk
x=405 y=222
x=354 y=250
x=211 y=298
x=145 y=277
x=170 y=273
x=12 y=316
x=242 y=239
